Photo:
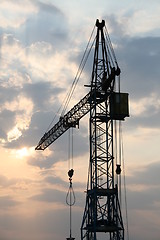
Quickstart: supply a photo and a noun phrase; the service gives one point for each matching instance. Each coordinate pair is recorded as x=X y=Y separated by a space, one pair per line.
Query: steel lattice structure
x=102 y=213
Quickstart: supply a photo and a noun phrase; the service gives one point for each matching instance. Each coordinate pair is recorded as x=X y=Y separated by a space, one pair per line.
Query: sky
x=41 y=45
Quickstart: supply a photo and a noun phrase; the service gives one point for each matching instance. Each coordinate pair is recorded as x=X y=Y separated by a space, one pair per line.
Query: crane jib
x=70 y=119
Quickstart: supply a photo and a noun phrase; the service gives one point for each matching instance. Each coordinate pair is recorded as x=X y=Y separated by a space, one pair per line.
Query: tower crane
x=105 y=105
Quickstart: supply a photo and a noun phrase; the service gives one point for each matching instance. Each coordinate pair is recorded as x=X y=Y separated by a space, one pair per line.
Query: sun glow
x=23 y=152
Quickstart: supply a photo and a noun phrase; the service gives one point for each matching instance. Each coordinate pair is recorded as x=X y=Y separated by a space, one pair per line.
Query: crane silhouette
x=105 y=105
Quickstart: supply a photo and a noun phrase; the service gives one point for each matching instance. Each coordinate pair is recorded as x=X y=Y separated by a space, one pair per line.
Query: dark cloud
x=7 y=119
x=7 y=93
x=139 y=58
x=41 y=93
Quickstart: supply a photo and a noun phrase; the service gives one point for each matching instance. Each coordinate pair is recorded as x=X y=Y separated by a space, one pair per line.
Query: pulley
x=118 y=169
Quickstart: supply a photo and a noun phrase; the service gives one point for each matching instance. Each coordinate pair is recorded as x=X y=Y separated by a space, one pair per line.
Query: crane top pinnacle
x=100 y=24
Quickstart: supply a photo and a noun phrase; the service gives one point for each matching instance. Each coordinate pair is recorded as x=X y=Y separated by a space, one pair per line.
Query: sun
x=23 y=152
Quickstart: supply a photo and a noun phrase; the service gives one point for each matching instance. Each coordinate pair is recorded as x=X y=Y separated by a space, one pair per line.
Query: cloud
x=48 y=224
x=144 y=184
x=147 y=175
x=43 y=162
x=35 y=29
x=50 y=195
x=5 y=182
x=7 y=202
x=59 y=150
x=55 y=197
x=139 y=58
x=53 y=180
x=13 y=15
x=115 y=25
x=24 y=107
x=7 y=120
x=42 y=93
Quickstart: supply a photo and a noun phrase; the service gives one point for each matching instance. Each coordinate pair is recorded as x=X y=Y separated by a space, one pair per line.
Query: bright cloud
x=23 y=108
x=13 y=14
x=141 y=106
x=143 y=21
x=14 y=134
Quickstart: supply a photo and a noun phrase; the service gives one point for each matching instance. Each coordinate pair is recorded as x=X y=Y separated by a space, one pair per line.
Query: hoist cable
x=116 y=149
x=70 y=198
x=110 y=56
x=110 y=44
x=79 y=72
x=120 y=155
x=72 y=150
x=120 y=143
x=69 y=149
x=125 y=191
x=77 y=79
x=70 y=201
x=119 y=85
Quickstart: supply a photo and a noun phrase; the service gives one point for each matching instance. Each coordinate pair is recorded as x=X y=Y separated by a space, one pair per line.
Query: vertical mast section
x=102 y=212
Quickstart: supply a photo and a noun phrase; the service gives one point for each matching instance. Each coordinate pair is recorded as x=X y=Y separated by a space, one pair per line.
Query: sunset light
x=23 y=152
x=42 y=43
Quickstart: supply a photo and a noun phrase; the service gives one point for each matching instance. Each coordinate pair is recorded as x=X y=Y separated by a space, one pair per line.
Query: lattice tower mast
x=102 y=212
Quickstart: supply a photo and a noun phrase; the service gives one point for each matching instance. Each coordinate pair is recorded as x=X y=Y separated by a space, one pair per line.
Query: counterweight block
x=119 y=108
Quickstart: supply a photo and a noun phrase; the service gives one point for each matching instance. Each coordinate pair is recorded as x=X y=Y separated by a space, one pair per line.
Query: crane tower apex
x=100 y=24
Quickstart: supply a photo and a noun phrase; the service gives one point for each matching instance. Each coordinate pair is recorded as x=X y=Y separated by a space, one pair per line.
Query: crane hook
x=70 y=200
x=70 y=173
